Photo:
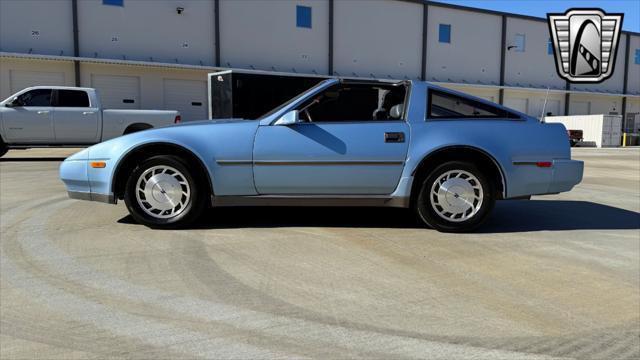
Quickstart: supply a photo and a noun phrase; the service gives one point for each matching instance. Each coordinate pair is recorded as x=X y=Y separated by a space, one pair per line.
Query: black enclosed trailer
x=250 y=94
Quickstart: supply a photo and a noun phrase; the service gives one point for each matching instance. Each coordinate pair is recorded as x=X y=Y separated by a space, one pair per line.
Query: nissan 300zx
x=446 y=155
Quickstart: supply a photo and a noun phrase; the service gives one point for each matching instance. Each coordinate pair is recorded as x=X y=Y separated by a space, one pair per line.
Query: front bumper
x=566 y=175
x=85 y=183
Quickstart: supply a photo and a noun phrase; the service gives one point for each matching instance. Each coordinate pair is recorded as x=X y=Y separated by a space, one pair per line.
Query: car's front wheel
x=163 y=193
x=455 y=197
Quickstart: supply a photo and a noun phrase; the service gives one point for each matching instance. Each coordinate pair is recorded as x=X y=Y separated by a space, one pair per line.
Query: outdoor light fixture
x=179 y=10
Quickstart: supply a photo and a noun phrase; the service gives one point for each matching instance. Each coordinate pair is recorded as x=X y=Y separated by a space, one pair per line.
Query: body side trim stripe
x=534 y=163
x=308 y=163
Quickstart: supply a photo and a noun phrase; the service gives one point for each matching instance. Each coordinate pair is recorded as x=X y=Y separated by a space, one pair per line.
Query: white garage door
x=187 y=96
x=20 y=79
x=580 y=108
x=118 y=92
x=552 y=106
x=519 y=104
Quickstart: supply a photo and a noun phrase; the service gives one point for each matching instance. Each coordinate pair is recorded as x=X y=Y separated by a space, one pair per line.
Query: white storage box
x=603 y=130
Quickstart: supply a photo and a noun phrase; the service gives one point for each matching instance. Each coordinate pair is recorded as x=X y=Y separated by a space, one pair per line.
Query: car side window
x=355 y=102
x=38 y=97
x=72 y=98
x=442 y=105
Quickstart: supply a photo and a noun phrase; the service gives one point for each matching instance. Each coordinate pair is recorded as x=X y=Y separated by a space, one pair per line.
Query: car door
x=75 y=119
x=340 y=148
x=28 y=118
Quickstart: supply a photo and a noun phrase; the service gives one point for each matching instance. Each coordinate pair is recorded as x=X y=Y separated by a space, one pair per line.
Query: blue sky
x=540 y=8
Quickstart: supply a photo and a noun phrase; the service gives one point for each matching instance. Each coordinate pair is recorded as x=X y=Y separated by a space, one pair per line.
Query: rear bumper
x=566 y=175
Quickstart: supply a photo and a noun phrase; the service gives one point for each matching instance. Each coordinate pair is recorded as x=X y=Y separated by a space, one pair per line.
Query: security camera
x=179 y=10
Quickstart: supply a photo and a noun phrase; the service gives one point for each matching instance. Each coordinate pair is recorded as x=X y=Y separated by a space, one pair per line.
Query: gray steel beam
x=425 y=33
x=503 y=47
x=331 y=19
x=216 y=30
x=76 y=41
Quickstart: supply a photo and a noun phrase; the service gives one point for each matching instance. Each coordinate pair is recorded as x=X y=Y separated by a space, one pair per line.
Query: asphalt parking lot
x=557 y=276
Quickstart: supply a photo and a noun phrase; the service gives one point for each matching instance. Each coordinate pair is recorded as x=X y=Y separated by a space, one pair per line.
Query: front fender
x=209 y=142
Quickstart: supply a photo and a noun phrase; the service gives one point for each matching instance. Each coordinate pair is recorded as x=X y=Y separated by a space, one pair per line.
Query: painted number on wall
x=115 y=39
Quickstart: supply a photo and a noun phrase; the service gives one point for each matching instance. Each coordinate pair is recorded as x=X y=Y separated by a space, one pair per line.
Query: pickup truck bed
x=45 y=116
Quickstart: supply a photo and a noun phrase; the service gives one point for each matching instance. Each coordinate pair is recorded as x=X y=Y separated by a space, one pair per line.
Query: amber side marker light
x=98 y=164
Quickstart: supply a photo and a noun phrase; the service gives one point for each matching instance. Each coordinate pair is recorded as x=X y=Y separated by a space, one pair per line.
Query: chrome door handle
x=41 y=112
x=88 y=113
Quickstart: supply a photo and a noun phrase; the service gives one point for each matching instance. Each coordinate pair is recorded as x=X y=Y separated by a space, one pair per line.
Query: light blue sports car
x=446 y=155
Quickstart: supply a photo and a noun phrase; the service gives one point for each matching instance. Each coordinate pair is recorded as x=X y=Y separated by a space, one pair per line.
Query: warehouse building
x=156 y=54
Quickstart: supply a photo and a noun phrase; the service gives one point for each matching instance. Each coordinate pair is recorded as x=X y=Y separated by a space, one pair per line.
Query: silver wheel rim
x=162 y=192
x=456 y=195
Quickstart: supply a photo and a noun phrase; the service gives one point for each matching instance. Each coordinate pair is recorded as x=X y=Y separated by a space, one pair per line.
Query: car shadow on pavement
x=555 y=215
x=508 y=216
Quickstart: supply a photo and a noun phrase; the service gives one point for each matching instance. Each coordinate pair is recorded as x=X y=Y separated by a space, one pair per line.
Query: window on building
x=72 y=98
x=637 y=60
x=444 y=33
x=519 y=43
x=303 y=16
x=113 y=2
x=550 y=47
x=443 y=105
x=38 y=97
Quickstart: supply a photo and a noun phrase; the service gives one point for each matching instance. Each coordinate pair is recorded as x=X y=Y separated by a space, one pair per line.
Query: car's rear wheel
x=455 y=197
x=163 y=193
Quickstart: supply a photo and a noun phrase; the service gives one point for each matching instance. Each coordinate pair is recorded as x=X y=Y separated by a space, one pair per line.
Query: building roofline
x=106 y=61
x=220 y=69
x=491 y=12
x=530 y=89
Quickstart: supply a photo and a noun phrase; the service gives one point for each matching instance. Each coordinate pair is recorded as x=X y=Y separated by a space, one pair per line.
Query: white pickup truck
x=58 y=116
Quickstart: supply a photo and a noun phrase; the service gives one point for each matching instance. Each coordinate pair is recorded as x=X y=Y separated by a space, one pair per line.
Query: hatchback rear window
x=449 y=106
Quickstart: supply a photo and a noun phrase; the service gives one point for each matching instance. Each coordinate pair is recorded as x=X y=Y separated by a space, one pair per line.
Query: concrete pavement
x=557 y=276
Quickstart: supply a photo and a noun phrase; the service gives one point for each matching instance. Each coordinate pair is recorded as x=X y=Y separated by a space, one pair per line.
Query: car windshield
x=288 y=102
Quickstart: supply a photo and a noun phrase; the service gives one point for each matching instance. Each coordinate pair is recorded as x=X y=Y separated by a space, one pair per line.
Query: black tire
x=135 y=128
x=427 y=213
x=3 y=148
x=192 y=208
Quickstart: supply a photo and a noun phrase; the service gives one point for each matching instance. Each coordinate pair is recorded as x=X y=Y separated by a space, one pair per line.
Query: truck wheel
x=163 y=193
x=135 y=128
x=3 y=148
x=455 y=197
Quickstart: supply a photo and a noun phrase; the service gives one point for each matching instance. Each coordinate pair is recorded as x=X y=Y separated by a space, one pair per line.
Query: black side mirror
x=13 y=103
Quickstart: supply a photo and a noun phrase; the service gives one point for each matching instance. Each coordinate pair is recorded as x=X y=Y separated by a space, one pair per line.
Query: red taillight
x=544 y=164
x=177 y=120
